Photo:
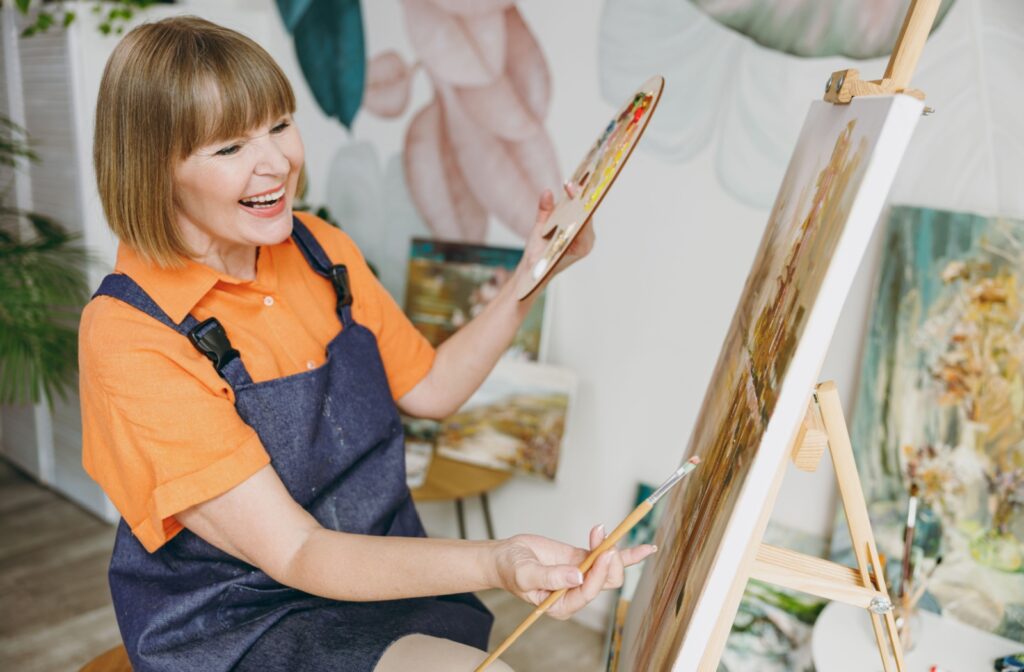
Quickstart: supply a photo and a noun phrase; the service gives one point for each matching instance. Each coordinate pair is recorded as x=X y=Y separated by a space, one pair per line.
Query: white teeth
x=265 y=198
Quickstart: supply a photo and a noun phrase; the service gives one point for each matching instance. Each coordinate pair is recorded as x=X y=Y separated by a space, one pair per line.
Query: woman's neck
x=238 y=261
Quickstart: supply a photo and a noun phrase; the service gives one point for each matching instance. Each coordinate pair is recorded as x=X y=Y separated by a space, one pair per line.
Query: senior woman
x=241 y=375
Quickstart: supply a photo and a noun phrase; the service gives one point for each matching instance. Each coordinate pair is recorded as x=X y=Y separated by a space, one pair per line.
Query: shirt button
x=268 y=300
x=311 y=365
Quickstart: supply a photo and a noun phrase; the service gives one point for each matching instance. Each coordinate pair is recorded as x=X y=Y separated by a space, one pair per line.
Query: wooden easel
x=825 y=426
x=864 y=585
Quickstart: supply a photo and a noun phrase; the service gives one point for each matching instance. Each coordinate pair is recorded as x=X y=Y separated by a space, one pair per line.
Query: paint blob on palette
x=592 y=179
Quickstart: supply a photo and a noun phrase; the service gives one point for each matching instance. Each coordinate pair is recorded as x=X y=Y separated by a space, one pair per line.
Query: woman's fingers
x=631 y=556
x=533 y=576
x=545 y=207
x=597 y=535
x=615 y=571
x=576 y=599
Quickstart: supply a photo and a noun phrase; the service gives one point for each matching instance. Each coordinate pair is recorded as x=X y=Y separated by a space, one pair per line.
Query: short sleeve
x=160 y=429
x=406 y=353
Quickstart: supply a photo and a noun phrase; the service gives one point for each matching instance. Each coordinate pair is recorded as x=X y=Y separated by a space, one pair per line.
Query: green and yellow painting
x=450 y=283
x=941 y=405
x=515 y=421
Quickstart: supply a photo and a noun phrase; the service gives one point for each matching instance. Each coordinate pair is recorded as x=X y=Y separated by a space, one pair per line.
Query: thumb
x=545 y=206
x=535 y=576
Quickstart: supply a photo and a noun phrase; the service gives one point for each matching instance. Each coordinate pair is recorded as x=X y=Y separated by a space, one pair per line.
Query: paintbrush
x=919 y=593
x=625 y=526
x=908 y=541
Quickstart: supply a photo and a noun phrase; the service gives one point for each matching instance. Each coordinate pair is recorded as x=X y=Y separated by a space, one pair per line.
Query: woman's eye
x=228 y=151
x=280 y=127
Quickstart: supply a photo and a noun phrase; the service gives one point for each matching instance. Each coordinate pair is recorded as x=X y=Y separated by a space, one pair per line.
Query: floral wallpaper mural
x=941 y=406
x=479 y=147
x=476 y=152
x=853 y=28
x=751 y=66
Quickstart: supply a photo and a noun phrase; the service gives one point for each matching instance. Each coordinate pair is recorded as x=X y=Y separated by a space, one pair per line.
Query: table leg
x=462 y=517
x=487 y=515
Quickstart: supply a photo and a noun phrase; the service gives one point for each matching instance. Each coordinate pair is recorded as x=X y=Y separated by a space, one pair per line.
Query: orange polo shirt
x=159 y=428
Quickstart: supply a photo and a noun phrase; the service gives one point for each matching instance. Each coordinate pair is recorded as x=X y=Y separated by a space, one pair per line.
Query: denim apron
x=335 y=439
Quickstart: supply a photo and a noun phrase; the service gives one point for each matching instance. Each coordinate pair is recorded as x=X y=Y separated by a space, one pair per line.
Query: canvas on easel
x=840 y=172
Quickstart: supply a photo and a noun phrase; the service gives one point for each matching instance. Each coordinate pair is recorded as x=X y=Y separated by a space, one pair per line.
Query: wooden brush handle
x=625 y=526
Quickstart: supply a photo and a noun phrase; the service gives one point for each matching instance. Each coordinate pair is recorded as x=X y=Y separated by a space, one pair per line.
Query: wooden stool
x=451 y=479
x=115 y=660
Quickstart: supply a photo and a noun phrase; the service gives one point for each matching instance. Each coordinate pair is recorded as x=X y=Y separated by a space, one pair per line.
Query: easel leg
x=852 y=496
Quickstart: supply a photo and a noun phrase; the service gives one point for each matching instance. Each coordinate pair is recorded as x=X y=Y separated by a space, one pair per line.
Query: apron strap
x=321 y=264
x=208 y=336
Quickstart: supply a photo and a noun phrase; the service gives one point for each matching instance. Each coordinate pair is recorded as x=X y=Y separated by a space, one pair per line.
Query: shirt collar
x=178 y=290
x=175 y=290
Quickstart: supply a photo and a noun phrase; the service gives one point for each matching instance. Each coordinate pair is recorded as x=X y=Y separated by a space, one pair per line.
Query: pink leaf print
x=472 y=7
x=493 y=172
x=525 y=65
x=498 y=108
x=435 y=183
x=463 y=51
x=536 y=158
x=388 y=83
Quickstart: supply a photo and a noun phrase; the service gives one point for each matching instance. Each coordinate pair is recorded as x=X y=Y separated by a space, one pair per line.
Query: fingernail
x=600 y=528
x=654 y=549
x=575 y=577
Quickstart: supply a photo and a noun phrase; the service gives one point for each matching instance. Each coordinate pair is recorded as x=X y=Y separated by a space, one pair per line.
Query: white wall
x=642 y=320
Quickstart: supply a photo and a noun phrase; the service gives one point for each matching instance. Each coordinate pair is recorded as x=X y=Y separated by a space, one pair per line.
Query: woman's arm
x=258 y=522
x=464 y=360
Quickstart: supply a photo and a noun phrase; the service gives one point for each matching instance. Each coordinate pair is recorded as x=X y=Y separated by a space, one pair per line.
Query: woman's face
x=234 y=196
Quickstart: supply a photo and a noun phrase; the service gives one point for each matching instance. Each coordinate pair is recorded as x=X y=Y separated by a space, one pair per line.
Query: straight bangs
x=228 y=95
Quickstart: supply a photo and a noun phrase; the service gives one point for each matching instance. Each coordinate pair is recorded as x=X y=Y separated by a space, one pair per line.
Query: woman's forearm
x=360 y=568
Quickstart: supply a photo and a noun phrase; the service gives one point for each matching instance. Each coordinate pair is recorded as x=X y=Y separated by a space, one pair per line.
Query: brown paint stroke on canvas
x=780 y=290
x=479 y=148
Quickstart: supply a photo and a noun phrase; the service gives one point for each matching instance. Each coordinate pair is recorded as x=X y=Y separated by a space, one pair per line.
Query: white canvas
x=830 y=199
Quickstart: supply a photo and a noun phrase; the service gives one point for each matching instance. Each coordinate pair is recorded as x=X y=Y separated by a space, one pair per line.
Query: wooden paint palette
x=592 y=180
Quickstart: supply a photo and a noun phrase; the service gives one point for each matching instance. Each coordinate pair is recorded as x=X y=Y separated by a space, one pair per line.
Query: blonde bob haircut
x=171 y=87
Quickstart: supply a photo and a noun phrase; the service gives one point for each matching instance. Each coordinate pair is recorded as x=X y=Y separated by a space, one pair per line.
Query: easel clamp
x=844 y=85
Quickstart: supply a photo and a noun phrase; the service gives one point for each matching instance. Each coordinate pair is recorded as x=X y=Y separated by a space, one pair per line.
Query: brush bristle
x=695 y=459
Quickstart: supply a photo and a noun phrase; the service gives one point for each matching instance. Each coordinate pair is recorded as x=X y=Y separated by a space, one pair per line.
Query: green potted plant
x=43 y=286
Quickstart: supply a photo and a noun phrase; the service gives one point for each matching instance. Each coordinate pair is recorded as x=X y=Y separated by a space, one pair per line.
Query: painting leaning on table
x=941 y=405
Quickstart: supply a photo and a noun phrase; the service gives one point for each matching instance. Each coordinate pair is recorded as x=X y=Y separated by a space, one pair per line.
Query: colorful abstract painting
x=716 y=56
x=450 y=283
x=941 y=405
x=516 y=420
x=833 y=191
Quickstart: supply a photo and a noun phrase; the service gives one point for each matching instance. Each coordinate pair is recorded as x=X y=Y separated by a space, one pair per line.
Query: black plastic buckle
x=210 y=339
x=339 y=276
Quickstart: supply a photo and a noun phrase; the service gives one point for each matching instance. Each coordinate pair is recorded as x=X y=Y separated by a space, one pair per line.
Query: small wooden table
x=451 y=479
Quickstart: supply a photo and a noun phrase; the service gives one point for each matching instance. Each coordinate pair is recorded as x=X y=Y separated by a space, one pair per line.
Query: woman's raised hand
x=536 y=243
x=532 y=567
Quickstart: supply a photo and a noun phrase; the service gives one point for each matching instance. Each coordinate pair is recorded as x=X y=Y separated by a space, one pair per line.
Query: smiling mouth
x=264 y=200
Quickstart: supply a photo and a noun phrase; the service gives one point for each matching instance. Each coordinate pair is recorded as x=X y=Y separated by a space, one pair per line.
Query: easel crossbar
x=813 y=575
